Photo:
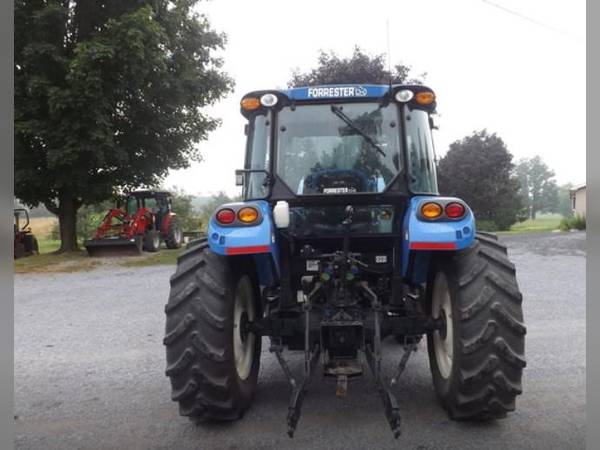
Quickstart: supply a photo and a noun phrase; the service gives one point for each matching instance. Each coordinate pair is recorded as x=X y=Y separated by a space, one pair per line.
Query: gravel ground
x=89 y=371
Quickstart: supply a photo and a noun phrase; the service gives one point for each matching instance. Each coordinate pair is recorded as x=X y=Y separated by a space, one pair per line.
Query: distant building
x=578 y=199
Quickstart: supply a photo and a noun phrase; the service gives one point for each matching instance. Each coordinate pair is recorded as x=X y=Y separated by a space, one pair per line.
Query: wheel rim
x=178 y=235
x=443 y=340
x=155 y=241
x=243 y=342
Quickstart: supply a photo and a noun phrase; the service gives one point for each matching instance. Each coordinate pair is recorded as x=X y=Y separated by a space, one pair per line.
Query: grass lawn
x=543 y=222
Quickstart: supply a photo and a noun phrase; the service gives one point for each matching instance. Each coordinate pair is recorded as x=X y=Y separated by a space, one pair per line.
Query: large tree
x=564 y=204
x=538 y=187
x=479 y=169
x=358 y=68
x=108 y=96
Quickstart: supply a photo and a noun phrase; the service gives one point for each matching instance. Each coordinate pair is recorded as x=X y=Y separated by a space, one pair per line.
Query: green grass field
x=543 y=222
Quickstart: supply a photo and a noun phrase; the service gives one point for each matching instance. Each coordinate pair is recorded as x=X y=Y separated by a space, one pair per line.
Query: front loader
x=343 y=240
x=141 y=224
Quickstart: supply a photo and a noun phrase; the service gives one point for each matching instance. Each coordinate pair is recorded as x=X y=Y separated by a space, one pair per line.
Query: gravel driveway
x=89 y=371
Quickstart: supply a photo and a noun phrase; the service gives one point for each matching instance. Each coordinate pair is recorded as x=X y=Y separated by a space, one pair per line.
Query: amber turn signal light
x=425 y=98
x=250 y=103
x=431 y=210
x=248 y=215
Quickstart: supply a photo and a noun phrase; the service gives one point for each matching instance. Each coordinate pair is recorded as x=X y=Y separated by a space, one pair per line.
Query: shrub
x=88 y=220
x=570 y=223
x=486 y=225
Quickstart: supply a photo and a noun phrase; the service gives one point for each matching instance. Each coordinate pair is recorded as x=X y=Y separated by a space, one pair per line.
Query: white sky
x=489 y=68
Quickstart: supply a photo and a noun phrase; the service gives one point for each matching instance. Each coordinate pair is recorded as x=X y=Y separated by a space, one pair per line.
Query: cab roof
x=340 y=92
x=149 y=193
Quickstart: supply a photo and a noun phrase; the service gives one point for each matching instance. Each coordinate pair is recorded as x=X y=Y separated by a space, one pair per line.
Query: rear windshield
x=338 y=149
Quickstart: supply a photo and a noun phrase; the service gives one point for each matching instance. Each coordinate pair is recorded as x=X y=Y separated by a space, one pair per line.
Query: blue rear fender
x=256 y=239
x=423 y=236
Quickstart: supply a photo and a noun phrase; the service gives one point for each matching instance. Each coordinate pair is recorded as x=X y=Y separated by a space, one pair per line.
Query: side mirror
x=432 y=124
x=239 y=178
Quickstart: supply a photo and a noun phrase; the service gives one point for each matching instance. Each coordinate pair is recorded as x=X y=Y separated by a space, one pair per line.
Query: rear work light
x=431 y=210
x=404 y=95
x=268 y=100
x=455 y=210
x=248 y=214
x=225 y=216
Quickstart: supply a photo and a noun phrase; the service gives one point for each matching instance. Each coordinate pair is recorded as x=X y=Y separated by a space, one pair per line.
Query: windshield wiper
x=338 y=112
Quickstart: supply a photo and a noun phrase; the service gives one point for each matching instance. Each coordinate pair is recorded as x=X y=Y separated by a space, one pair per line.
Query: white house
x=578 y=199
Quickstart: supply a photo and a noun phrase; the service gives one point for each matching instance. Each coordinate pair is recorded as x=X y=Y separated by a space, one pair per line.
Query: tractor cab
x=157 y=202
x=322 y=149
x=25 y=243
x=19 y=227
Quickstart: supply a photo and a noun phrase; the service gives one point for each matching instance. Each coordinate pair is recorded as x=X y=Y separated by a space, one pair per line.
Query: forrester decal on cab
x=342 y=91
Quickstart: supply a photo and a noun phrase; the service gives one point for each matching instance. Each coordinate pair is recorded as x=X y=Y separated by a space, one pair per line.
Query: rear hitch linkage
x=299 y=389
x=373 y=354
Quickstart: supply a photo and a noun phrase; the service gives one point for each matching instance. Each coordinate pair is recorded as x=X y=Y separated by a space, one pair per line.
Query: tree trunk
x=67 y=223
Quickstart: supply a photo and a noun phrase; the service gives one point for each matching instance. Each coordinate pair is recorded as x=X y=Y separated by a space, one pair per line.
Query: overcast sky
x=514 y=67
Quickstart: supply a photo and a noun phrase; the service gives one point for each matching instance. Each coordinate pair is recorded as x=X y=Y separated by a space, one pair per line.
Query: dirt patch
x=81 y=262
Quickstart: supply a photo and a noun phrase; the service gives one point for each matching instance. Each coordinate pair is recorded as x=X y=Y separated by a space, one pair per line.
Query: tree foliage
x=538 y=188
x=89 y=218
x=564 y=204
x=358 y=68
x=108 y=97
x=181 y=203
x=479 y=169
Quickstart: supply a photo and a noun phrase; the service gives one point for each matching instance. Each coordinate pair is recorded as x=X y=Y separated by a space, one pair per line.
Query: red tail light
x=225 y=216
x=455 y=210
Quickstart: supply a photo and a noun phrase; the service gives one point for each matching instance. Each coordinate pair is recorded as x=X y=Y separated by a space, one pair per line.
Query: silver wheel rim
x=178 y=235
x=156 y=241
x=443 y=343
x=243 y=346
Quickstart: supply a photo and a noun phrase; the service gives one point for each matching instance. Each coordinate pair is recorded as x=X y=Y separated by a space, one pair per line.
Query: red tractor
x=145 y=220
x=25 y=243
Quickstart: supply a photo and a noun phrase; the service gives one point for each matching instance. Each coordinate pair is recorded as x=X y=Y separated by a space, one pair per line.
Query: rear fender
x=422 y=237
x=256 y=240
x=166 y=223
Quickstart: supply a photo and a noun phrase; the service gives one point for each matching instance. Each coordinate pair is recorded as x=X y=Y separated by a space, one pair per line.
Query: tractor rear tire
x=477 y=361
x=174 y=236
x=212 y=377
x=31 y=245
x=152 y=241
x=19 y=250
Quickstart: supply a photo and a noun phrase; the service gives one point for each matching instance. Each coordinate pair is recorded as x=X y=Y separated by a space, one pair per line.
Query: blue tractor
x=342 y=240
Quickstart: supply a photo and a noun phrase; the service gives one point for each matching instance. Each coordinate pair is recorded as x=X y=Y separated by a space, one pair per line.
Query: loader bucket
x=117 y=246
